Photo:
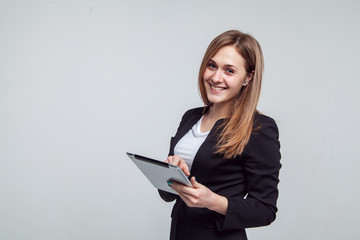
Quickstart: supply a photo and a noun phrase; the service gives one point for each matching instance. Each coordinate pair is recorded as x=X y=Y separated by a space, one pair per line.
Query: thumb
x=195 y=183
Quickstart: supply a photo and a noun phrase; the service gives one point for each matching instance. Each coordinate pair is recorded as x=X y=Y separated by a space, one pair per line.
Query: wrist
x=219 y=204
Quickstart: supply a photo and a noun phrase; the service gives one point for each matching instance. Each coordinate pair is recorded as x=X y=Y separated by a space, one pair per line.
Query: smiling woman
x=231 y=149
x=224 y=77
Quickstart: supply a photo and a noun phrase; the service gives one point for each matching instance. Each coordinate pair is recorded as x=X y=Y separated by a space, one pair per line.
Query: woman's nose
x=217 y=77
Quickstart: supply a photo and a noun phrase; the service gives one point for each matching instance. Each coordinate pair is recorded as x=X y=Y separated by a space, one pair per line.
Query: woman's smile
x=217 y=88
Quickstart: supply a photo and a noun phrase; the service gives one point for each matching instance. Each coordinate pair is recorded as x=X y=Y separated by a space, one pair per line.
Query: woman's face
x=224 y=76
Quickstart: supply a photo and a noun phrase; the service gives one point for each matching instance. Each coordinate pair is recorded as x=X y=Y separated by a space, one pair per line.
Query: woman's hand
x=200 y=196
x=177 y=161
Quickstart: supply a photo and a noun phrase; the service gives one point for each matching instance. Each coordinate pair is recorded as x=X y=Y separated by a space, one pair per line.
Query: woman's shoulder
x=193 y=112
x=264 y=124
x=261 y=119
x=191 y=115
x=264 y=144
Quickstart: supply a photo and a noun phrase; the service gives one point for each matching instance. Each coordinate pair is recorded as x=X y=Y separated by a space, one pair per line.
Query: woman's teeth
x=216 y=88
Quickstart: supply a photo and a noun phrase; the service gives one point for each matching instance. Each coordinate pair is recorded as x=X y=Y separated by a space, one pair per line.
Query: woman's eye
x=211 y=65
x=230 y=71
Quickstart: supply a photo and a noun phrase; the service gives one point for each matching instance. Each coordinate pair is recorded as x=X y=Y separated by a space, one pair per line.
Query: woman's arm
x=166 y=196
x=261 y=166
x=201 y=197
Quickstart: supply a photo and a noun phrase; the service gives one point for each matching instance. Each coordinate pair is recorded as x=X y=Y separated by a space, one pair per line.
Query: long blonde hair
x=238 y=128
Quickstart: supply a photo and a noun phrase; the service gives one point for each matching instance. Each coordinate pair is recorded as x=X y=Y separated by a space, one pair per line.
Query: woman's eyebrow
x=227 y=65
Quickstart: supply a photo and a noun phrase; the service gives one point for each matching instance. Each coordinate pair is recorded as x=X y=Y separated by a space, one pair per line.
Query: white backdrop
x=84 y=81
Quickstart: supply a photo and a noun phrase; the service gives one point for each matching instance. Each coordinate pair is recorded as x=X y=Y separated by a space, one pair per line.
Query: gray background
x=82 y=82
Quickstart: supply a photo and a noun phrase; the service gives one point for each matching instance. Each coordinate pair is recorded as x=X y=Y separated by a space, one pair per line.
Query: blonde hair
x=238 y=128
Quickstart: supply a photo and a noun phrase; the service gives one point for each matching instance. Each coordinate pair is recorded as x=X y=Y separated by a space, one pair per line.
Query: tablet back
x=159 y=172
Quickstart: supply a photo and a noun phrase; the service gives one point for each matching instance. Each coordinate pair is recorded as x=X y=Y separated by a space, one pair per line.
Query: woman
x=228 y=146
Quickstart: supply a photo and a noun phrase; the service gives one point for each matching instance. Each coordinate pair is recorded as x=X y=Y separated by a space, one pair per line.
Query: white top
x=190 y=143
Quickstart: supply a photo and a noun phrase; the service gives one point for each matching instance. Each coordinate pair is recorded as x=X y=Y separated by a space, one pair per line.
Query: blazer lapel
x=188 y=124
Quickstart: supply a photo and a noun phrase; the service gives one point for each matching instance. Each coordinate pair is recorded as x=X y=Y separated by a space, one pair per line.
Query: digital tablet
x=159 y=172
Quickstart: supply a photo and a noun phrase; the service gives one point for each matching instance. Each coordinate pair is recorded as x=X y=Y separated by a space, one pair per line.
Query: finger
x=195 y=183
x=185 y=168
x=172 y=160
x=169 y=158
x=181 y=190
x=175 y=161
x=178 y=187
x=187 y=198
x=175 y=186
x=184 y=189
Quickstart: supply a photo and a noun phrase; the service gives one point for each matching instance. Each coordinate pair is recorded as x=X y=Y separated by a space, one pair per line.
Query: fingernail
x=169 y=183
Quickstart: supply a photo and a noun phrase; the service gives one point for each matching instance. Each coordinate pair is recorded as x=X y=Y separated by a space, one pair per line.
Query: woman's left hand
x=201 y=196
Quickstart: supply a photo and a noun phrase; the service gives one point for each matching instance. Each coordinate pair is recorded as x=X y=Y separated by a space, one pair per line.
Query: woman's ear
x=248 y=78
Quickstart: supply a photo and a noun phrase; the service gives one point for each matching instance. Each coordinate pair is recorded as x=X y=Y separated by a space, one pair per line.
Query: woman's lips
x=217 y=88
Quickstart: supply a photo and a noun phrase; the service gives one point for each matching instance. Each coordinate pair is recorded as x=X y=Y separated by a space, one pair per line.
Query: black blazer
x=249 y=182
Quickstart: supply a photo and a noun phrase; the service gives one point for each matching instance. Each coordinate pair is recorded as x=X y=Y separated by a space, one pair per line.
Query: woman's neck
x=214 y=113
x=219 y=111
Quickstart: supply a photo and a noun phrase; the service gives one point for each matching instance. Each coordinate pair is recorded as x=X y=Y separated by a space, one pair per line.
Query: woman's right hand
x=178 y=161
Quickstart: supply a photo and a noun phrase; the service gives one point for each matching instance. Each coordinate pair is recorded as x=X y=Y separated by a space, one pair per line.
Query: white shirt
x=190 y=143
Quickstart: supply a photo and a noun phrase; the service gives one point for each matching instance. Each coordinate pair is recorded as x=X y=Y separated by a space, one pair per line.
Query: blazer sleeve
x=261 y=159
